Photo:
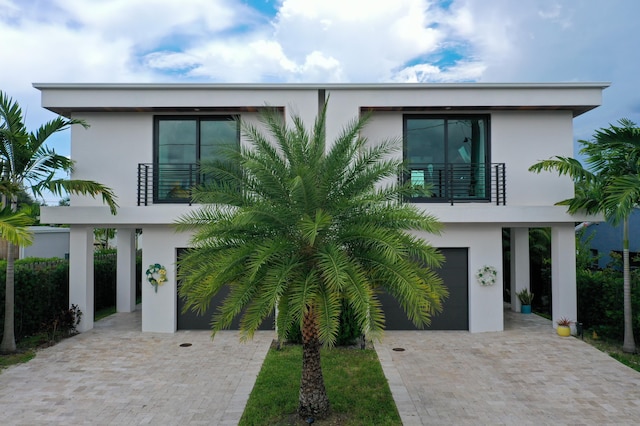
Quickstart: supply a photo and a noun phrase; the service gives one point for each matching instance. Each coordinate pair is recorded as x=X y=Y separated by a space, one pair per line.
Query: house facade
x=471 y=144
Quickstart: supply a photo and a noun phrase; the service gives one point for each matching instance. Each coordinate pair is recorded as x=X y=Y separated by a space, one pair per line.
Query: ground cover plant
x=354 y=380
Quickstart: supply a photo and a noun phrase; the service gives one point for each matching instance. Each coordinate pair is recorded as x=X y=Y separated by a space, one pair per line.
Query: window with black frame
x=181 y=143
x=447 y=156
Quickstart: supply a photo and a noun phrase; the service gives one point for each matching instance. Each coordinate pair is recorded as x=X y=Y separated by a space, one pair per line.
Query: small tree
x=294 y=224
x=610 y=185
x=27 y=163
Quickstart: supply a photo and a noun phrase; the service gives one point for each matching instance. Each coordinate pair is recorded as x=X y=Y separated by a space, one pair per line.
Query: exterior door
x=192 y=321
x=455 y=312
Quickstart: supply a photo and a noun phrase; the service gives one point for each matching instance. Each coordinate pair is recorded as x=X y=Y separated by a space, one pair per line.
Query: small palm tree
x=610 y=185
x=293 y=224
x=27 y=163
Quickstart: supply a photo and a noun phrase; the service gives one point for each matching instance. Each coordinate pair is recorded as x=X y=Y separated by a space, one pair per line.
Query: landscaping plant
x=610 y=184
x=27 y=163
x=298 y=224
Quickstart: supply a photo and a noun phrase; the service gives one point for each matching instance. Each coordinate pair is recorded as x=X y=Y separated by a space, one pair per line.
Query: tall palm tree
x=609 y=185
x=293 y=224
x=27 y=163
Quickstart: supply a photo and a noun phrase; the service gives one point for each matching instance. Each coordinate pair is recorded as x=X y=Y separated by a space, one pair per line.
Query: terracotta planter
x=563 y=330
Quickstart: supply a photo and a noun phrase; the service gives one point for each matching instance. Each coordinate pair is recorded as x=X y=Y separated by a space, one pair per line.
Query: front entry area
x=455 y=313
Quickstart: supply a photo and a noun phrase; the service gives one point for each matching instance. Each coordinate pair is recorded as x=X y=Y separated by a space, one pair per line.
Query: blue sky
x=312 y=41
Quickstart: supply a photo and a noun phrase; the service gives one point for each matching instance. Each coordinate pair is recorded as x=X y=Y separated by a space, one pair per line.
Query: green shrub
x=63 y=324
x=104 y=277
x=41 y=290
x=600 y=301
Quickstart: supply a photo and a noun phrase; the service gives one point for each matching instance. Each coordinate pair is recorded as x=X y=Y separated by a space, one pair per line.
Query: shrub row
x=600 y=301
x=42 y=290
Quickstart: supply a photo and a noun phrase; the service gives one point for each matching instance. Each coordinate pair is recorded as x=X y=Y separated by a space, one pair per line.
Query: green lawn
x=614 y=349
x=357 y=389
x=26 y=350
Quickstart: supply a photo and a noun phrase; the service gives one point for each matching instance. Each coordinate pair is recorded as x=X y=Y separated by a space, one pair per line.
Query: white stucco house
x=473 y=143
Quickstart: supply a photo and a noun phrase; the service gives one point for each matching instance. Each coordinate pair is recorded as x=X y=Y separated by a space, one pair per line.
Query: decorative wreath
x=156 y=275
x=487 y=276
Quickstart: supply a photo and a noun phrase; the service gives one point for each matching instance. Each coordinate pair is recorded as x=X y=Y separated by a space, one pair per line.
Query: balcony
x=458 y=183
x=167 y=183
x=448 y=183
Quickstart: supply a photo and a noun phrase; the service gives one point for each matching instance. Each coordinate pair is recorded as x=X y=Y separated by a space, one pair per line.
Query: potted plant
x=564 y=327
x=526 y=297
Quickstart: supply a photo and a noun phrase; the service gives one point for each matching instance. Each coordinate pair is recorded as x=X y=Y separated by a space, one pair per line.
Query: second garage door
x=455 y=313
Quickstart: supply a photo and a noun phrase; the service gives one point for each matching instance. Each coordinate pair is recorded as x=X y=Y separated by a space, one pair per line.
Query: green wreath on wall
x=156 y=275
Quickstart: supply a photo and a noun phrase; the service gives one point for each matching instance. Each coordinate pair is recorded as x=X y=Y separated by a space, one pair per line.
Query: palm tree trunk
x=629 y=344
x=8 y=343
x=313 y=401
x=8 y=338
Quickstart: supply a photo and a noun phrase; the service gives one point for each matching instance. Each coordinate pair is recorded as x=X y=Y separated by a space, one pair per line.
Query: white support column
x=520 y=278
x=81 y=274
x=126 y=270
x=563 y=273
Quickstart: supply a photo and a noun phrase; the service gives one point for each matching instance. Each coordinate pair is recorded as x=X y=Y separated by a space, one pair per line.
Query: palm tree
x=27 y=163
x=293 y=224
x=610 y=185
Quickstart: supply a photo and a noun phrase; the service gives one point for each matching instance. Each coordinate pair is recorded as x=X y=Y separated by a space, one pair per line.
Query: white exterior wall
x=109 y=152
x=484 y=244
x=520 y=139
x=159 y=309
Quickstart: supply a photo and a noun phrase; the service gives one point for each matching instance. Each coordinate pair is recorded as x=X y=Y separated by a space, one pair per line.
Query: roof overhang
x=68 y=98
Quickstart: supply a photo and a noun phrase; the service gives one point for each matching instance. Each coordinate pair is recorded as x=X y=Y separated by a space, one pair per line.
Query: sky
x=318 y=41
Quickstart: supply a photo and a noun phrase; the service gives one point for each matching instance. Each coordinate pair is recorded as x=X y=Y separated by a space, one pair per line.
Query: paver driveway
x=117 y=375
x=525 y=375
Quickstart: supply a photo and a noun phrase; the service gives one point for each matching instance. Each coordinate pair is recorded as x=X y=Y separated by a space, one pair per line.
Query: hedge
x=42 y=290
x=600 y=301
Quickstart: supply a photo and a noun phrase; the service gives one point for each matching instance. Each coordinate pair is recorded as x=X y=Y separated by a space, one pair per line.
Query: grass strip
x=356 y=386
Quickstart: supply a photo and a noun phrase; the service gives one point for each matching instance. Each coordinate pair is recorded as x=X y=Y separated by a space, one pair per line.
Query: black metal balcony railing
x=172 y=183
x=166 y=183
x=448 y=182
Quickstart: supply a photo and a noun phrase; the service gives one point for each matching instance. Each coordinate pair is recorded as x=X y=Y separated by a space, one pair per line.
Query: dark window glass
x=182 y=143
x=448 y=156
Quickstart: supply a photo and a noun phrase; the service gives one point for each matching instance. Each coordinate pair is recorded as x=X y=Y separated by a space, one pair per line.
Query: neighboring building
x=473 y=143
x=606 y=238
x=48 y=242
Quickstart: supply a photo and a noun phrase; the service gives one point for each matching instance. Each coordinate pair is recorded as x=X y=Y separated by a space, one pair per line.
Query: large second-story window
x=448 y=155
x=181 y=143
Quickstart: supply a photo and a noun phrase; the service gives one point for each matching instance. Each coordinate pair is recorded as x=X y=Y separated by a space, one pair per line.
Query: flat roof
x=320 y=86
x=68 y=98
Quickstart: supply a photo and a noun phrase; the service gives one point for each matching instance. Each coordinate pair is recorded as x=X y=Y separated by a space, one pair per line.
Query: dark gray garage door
x=192 y=321
x=455 y=314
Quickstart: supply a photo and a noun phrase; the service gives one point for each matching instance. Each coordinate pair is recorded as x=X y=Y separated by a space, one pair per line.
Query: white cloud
x=322 y=41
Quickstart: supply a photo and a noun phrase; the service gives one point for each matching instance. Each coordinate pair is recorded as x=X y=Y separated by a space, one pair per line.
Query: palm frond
x=13 y=227
x=80 y=187
x=332 y=210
